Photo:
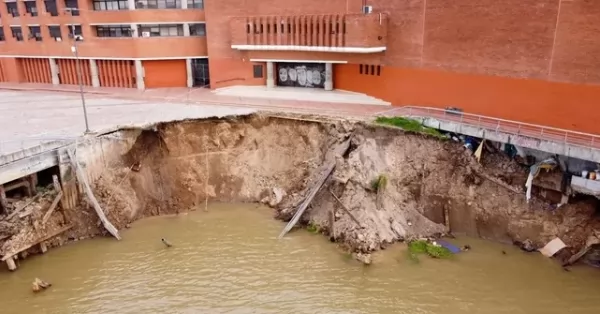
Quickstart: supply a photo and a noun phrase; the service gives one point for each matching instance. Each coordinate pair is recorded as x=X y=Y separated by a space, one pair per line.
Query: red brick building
x=536 y=61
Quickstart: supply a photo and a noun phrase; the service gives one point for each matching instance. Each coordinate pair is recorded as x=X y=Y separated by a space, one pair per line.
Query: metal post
x=78 y=68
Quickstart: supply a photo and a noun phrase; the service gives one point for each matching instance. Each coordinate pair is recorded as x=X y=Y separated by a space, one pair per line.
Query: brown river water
x=228 y=260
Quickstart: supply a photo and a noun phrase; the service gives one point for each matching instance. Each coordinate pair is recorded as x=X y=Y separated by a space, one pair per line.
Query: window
x=195 y=4
x=258 y=71
x=35 y=33
x=75 y=30
x=2 y=38
x=54 y=31
x=72 y=4
x=51 y=7
x=31 y=8
x=114 y=31
x=17 y=33
x=369 y=69
x=12 y=9
x=158 y=4
x=161 y=30
x=198 y=29
x=111 y=5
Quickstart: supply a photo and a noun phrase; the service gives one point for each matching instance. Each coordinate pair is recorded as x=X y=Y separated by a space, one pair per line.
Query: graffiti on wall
x=301 y=74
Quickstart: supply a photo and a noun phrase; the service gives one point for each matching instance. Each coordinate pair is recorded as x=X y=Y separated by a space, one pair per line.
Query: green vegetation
x=425 y=247
x=379 y=183
x=408 y=125
x=312 y=228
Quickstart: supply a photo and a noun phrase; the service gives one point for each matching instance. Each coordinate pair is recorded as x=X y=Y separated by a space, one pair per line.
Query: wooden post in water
x=43 y=247
x=332 y=225
x=10 y=262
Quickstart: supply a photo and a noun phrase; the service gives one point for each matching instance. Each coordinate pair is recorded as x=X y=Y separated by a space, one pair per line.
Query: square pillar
x=190 y=73
x=186 y=29
x=184 y=4
x=54 y=71
x=139 y=75
x=94 y=73
x=134 y=31
x=328 y=76
x=131 y=4
x=270 y=75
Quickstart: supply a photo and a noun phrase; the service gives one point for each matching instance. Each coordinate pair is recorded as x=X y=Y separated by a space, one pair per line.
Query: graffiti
x=301 y=75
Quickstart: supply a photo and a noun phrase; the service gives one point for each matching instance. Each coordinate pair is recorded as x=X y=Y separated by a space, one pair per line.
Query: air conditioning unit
x=367 y=9
x=57 y=38
x=145 y=34
x=78 y=38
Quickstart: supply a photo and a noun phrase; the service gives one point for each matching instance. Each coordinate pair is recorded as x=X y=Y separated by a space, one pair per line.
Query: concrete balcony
x=349 y=33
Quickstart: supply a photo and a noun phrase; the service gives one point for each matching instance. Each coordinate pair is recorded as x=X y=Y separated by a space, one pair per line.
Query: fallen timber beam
x=346 y=209
x=330 y=165
x=88 y=191
x=307 y=201
x=52 y=207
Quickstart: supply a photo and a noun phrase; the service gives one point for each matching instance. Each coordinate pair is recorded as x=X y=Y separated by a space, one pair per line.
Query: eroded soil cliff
x=430 y=186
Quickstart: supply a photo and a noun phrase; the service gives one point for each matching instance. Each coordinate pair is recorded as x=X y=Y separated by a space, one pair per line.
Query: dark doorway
x=200 y=73
x=311 y=75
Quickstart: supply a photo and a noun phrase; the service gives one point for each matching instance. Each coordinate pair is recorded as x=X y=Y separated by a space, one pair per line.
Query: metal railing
x=499 y=125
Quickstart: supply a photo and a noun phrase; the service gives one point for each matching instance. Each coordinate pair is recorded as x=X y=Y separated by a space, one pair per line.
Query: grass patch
x=425 y=247
x=408 y=125
x=312 y=228
x=379 y=183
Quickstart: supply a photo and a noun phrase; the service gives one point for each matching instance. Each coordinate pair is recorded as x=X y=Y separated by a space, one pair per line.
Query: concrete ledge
x=565 y=149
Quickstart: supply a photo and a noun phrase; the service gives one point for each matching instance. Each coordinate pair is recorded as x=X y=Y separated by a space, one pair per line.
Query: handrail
x=501 y=125
x=488 y=117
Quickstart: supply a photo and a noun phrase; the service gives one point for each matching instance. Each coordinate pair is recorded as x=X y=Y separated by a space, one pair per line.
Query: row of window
x=49 y=6
x=144 y=30
x=370 y=69
x=35 y=32
x=154 y=30
x=101 y=5
x=113 y=5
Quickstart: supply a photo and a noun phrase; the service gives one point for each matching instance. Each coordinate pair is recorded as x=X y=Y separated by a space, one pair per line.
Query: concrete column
x=270 y=75
x=139 y=75
x=131 y=4
x=94 y=72
x=328 y=76
x=134 y=31
x=190 y=73
x=54 y=71
x=186 y=29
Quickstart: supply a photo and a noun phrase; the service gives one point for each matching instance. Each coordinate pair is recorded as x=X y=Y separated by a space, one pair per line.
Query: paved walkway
x=206 y=97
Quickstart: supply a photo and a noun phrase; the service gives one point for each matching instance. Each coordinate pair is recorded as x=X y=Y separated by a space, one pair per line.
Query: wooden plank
x=16 y=211
x=38 y=241
x=88 y=190
x=341 y=149
x=346 y=209
x=52 y=207
x=308 y=200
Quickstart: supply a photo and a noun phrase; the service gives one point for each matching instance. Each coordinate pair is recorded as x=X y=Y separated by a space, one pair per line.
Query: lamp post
x=78 y=68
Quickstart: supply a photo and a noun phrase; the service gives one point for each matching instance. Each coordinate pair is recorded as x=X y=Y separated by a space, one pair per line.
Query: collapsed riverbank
x=390 y=185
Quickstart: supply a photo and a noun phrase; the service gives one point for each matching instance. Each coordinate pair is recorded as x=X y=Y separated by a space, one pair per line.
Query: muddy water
x=229 y=261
